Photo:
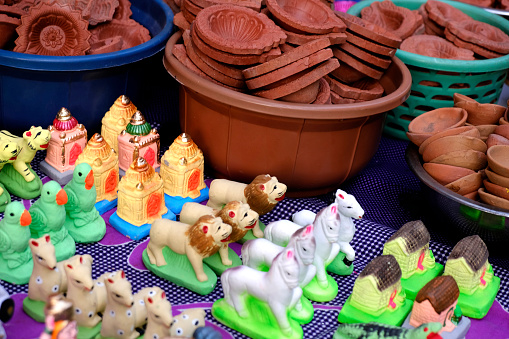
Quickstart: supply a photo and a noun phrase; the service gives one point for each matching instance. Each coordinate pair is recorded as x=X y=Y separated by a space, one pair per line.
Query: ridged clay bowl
x=498 y=159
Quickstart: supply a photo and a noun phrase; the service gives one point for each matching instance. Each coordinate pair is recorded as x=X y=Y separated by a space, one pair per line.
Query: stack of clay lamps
x=496 y=187
x=400 y=21
x=294 y=76
x=437 y=14
x=9 y=20
x=435 y=47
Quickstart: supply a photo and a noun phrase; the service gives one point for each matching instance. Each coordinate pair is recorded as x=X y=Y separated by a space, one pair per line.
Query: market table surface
x=390 y=195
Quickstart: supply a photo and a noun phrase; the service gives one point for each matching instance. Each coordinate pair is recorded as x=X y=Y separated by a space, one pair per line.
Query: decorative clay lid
x=139 y=171
x=138 y=125
x=64 y=120
x=97 y=147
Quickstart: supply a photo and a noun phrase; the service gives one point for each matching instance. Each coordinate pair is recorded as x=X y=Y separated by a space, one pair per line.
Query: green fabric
x=350 y=314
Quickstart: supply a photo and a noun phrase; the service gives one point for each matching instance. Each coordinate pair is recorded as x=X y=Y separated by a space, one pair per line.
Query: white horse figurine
x=279 y=287
x=349 y=209
x=257 y=253
x=326 y=231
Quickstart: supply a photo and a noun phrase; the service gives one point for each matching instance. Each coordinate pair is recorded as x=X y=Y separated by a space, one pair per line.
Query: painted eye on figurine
x=129 y=313
x=245 y=215
x=152 y=293
x=304 y=249
x=90 y=314
x=80 y=174
x=179 y=331
x=142 y=302
x=349 y=207
x=185 y=316
x=39 y=258
x=78 y=311
x=77 y=281
x=47 y=192
x=118 y=295
x=155 y=336
x=12 y=214
x=120 y=332
x=157 y=317
x=55 y=288
x=196 y=322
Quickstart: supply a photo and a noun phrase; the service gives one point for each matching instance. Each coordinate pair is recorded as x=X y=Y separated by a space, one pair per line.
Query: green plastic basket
x=434 y=80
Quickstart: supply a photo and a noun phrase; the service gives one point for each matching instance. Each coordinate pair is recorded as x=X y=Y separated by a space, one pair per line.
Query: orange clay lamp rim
x=286 y=109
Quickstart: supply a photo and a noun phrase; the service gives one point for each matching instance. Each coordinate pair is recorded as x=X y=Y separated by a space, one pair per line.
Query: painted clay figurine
x=236 y=214
x=83 y=221
x=104 y=162
x=9 y=151
x=140 y=201
x=138 y=139
x=19 y=178
x=182 y=167
x=436 y=302
x=116 y=120
x=383 y=331
x=468 y=265
x=15 y=257
x=410 y=246
x=6 y=309
x=248 y=293
x=377 y=295
x=48 y=277
x=159 y=313
x=48 y=217
x=260 y=253
x=326 y=230
x=170 y=241
x=59 y=319
x=348 y=209
x=186 y=323
x=68 y=139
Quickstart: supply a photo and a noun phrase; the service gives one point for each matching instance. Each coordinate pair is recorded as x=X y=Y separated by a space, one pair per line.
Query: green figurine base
x=88 y=332
x=90 y=232
x=65 y=249
x=214 y=262
x=19 y=275
x=478 y=304
x=338 y=267
x=178 y=270
x=249 y=235
x=34 y=309
x=305 y=315
x=413 y=284
x=350 y=314
x=314 y=292
x=16 y=184
x=260 y=323
x=5 y=198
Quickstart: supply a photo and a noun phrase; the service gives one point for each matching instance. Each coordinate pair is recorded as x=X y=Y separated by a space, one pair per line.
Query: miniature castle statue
x=182 y=168
x=68 y=139
x=138 y=139
x=140 y=194
x=116 y=120
x=104 y=162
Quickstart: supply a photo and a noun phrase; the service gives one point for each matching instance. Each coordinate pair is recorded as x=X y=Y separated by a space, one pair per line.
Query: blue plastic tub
x=33 y=88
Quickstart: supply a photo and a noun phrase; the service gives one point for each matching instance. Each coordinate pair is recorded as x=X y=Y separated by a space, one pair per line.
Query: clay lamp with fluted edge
x=435 y=47
x=131 y=32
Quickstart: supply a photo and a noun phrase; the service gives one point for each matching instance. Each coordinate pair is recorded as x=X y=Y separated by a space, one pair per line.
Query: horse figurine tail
x=304 y=217
x=244 y=252
x=280 y=232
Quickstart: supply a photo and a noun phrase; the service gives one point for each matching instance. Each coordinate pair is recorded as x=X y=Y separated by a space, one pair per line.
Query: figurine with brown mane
x=262 y=194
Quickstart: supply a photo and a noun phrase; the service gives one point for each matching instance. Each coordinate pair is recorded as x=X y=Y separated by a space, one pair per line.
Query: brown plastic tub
x=310 y=148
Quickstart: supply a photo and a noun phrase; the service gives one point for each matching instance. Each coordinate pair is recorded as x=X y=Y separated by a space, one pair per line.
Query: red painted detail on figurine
x=150 y=156
x=226 y=239
x=150 y=300
x=281 y=198
x=44 y=146
x=111 y=182
x=29 y=134
x=26 y=218
x=74 y=153
x=61 y=198
x=65 y=125
x=81 y=260
x=483 y=282
x=205 y=229
x=122 y=274
x=35 y=243
x=47 y=237
x=341 y=196
x=391 y=300
x=421 y=259
x=231 y=214
x=154 y=205
x=194 y=180
x=89 y=180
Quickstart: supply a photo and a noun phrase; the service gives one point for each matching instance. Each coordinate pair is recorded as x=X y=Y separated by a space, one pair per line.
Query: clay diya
x=97 y=11
x=495 y=139
x=237 y=30
x=253 y=4
x=324 y=94
x=498 y=159
x=470 y=131
x=479 y=114
x=445 y=174
x=471 y=159
x=367 y=57
x=7 y=29
x=468 y=184
x=106 y=46
x=369 y=45
x=181 y=22
x=485 y=130
x=499 y=191
x=481 y=34
x=366 y=89
x=441 y=13
x=483 y=52
x=338 y=99
x=347 y=74
x=123 y=11
x=301 y=39
x=132 y=33
x=496 y=178
x=400 y=21
x=305 y=16
x=452 y=143
x=492 y=199
x=53 y=30
x=305 y=95
x=435 y=47
x=358 y=64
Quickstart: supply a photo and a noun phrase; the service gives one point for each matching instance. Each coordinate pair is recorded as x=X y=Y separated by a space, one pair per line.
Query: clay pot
x=468 y=184
x=479 y=114
x=492 y=199
x=498 y=159
x=497 y=178
x=445 y=174
x=471 y=159
x=452 y=143
x=499 y=191
x=495 y=139
x=463 y=130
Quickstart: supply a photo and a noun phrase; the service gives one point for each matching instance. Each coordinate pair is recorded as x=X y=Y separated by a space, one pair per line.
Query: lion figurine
x=262 y=194
x=197 y=241
x=235 y=213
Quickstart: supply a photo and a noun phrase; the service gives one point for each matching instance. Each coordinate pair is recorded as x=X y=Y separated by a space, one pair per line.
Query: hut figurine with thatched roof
x=138 y=139
x=468 y=265
x=140 y=201
x=104 y=162
x=377 y=295
x=410 y=246
x=437 y=302
x=116 y=120
x=68 y=139
x=182 y=167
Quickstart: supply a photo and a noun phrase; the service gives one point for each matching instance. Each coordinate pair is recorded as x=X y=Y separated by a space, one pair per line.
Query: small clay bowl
x=452 y=143
x=438 y=120
x=495 y=139
x=463 y=130
x=499 y=191
x=445 y=174
x=471 y=159
x=479 y=114
x=497 y=178
x=492 y=199
x=418 y=138
x=485 y=130
x=498 y=159
x=468 y=184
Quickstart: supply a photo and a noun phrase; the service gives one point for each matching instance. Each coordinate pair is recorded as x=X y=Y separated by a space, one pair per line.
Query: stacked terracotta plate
x=496 y=186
